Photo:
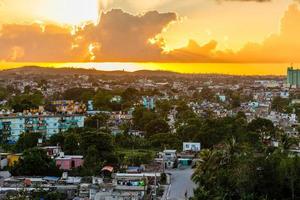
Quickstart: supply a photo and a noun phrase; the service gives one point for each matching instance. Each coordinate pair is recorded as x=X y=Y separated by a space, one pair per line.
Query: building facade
x=48 y=125
x=293 y=76
x=148 y=102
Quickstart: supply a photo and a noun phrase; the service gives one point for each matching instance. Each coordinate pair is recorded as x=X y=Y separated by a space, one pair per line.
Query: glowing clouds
x=123 y=37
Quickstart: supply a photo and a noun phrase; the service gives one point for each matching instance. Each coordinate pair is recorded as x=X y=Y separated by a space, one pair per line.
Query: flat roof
x=127 y=175
x=169 y=151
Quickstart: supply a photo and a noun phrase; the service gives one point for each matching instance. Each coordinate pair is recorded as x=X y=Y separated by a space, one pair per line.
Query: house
x=9 y=159
x=52 y=151
x=169 y=158
x=191 y=146
x=222 y=98
x=68 y=162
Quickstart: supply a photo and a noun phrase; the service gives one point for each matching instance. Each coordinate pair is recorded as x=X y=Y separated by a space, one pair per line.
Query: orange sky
x=169 y=31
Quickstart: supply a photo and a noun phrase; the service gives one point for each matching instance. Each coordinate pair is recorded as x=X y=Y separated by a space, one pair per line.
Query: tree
x=3 y=93
x=103 y=143
x=57 y=139
x=263 y=127
x=79 y=94
x=207 y=94
x=35 y=162
x=92 y=163
x=163 y=108
x=141 y=117
x=71 y=143
x=165 y=140
x=189 y=130
x=97 y=121
x=27 y=141
x=235 y=100
x=130 y=95
x=102 y=100
x=26 y=102
x=156 y=126
x=280 y=104
x=131 y=142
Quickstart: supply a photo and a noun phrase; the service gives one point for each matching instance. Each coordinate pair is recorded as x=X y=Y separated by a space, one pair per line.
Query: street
x=181 y=183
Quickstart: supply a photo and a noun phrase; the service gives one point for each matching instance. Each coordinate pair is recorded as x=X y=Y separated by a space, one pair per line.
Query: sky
x=156 y=31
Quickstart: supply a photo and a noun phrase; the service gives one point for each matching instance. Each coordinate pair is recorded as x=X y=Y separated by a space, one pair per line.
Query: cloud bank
x=122 y=37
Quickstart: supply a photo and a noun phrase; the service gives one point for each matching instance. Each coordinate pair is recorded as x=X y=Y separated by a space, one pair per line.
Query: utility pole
x=145 y=194
x=155 y=189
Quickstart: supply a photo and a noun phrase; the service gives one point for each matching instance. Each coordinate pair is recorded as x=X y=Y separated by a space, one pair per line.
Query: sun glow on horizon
x=277 y=69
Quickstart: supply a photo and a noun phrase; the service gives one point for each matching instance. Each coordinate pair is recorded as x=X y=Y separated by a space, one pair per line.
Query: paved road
x=181 y=183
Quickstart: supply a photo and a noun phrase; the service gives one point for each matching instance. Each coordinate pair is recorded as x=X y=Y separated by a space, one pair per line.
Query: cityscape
x=149 y=100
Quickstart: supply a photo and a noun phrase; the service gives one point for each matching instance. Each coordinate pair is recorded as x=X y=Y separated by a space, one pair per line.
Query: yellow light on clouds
x=71 y=12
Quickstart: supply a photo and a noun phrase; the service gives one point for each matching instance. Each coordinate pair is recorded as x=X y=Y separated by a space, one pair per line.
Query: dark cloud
x=35 y=43
x=193 y=52
x=124 y=37
x=119 y=36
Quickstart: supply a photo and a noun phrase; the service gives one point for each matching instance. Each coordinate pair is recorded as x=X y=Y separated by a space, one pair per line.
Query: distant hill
x=52 y=71
x=35 y=70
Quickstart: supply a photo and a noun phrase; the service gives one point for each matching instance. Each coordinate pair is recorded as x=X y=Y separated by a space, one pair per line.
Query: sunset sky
x=156 y=31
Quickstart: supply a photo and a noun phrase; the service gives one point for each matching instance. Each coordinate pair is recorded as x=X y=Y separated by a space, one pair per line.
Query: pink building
x=68 y=162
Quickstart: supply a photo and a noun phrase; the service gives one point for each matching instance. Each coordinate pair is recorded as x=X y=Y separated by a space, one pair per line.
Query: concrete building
x=169 y=158
x=191 y=146
x=293 y=76
x=68 y=162
x=15 y=125
x=149 y=102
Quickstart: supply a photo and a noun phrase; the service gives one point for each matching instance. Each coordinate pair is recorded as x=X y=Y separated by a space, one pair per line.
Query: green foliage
x=57 y=139
x=36 y=195
x=27 y=141
x=165 y=140
x=35 y=162
x=79 y=94
x=207 y=94
x=156 y=126
x=3 y=93
x=135 y=157
x=97 y=121
x=130 y=95
x=103 y=143
x=232 y=171
x=280 y=104
x=264 y=127
x=102 y=100
x=92 y=163
x=141 y=117
x=189 y=130
x=163 y=108
x=26 y=101
x=131 y=142
x=71 y=143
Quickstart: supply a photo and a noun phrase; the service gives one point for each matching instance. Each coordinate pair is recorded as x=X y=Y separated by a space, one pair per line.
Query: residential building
x=191 y=146
x=68 y=162
x=15 y=125
x=293 y=76
x=149 y=103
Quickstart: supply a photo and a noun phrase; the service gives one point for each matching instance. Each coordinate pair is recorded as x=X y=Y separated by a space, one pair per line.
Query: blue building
x=293 y=76
x=149 y=103
x=48 y=125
